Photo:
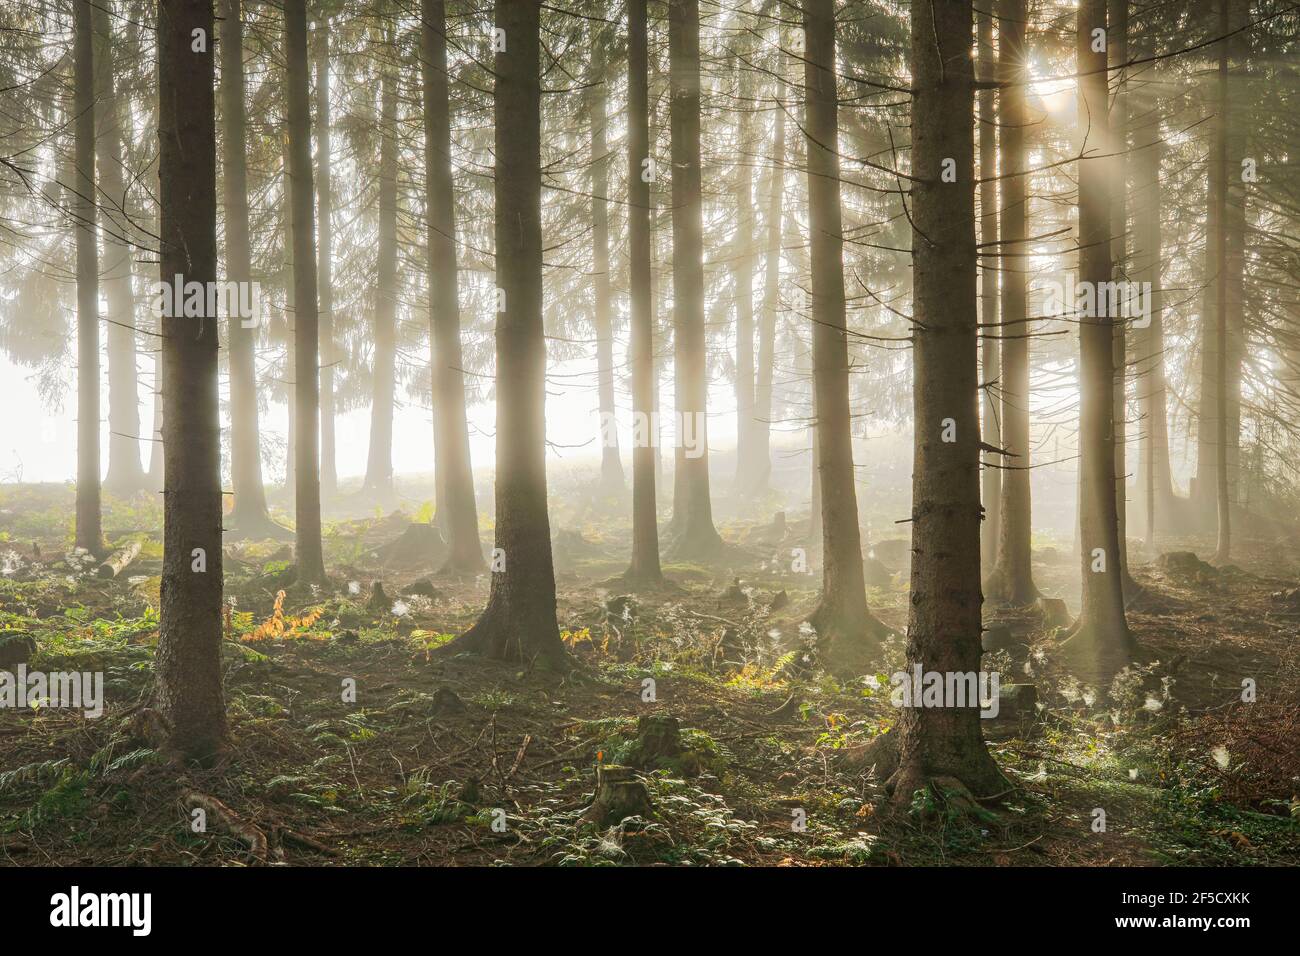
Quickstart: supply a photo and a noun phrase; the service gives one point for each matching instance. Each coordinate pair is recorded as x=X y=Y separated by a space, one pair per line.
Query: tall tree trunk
x=379 y=462
x=89 y=532
x=771 y=306
x=990 y=341
x=943 y=629
x=453 y=474
x=846 y=632
x=742 y=275
x=329 y=479
x=762 y=455
x=310 y=557
x=249 y=516
x=1159 y=501
x=644 y=569
x=1210 y=430
x=1101 y=642
x=154 y=477
x=1223 y=437
x=188 y=690
x=125 y=476
x=1155 y=478
x=519 y=622
x=815 y=539
x=611 y=467
x=1117 y=54
x=288 y=274
x=1012 y=580
x=692 y=523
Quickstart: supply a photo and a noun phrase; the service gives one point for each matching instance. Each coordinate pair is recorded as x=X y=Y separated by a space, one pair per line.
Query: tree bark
x=692 y=523
x=1117 y=54
x=329 y=481
x=291 y=441
x=1220 y=350
x=1155 y=477
x=453 y=473
x=379 y=462
x=1101 y=642
x=189 y=692
x=943 y=632
x=644 y=569
x=847 y=634
x=611 y=467
x=1227 y=345
x=125 y=475
x=990 y=341
x=519 y=622
x=1012 y=580
x=310 y=556
x=249 y=515
x=748 y=468
x=771 y=305
x=89 y=532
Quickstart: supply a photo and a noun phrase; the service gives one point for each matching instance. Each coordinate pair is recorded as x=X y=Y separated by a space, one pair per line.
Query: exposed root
x=1093 y=655
x=149 y=726
x=847 y=647
x=255 y=528
x=286 y=835
x=879 y=755
x=231 y=821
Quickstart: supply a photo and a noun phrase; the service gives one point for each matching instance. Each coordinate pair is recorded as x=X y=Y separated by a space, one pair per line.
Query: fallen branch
x=519 y=757
x=118 y=560
x=310 y=843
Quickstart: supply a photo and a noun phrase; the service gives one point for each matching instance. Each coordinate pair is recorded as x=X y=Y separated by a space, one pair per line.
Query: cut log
x=118 y=560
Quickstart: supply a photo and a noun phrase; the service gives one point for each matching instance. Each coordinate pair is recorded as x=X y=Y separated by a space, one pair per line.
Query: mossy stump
x=620 y=793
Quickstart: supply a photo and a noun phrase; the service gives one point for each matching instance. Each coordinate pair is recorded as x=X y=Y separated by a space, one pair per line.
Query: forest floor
x=437 y=748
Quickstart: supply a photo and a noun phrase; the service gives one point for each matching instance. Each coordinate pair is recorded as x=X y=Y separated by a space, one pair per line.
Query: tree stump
x=620 y=793
x=419 y=546
x=659 y=737
x=1055 y=613
x=1017 y=701
x=997 y=638
x=15 y=648
x=1184 y=564
x=379 y=602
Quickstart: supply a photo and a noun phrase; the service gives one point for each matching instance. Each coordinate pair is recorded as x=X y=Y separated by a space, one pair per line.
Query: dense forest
x=630 y=432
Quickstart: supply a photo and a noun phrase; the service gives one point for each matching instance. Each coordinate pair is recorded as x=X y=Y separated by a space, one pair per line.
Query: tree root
x=286 y=835
x=149 y=726
x=231 y=821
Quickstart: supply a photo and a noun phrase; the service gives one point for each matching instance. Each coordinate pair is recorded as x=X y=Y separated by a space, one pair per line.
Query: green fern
x=32 y=773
